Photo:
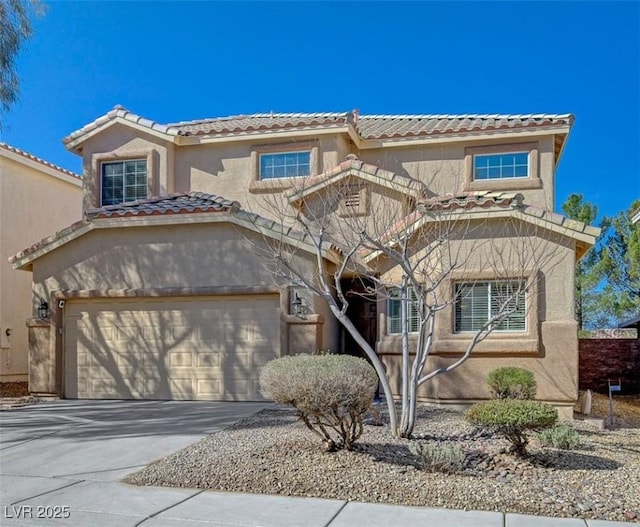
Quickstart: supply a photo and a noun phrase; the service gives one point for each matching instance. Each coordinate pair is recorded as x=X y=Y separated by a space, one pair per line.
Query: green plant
x=511 y=383
x=331 y=393
x=439 y=456
x=513 y=418
x=560 y=436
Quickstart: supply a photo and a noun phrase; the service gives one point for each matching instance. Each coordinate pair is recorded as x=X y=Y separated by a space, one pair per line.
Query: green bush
x=513 y=418
x=442 y=457
x=331 y=393
x=560 y=436
x=511 y=383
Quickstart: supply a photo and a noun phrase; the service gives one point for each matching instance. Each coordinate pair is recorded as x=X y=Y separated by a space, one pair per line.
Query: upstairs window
x=501 y=166
x=479 y=302
x=285 y=164
x=123 y=181
x=394 y=313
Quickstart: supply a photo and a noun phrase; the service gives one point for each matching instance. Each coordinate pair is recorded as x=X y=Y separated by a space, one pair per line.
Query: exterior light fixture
x=298 y=310
x=43 y=310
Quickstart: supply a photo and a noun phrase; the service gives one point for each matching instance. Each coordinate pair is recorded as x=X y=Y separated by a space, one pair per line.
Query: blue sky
x=173 y=61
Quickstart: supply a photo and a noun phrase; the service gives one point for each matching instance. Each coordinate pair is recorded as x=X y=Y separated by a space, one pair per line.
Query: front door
x=363 y=313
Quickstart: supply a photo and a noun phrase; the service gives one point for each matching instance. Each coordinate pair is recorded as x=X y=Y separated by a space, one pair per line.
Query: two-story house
x=160 y=292
x=36 y=197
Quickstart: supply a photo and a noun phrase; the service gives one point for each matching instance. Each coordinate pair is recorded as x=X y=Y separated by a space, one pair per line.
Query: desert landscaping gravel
x=273 y=453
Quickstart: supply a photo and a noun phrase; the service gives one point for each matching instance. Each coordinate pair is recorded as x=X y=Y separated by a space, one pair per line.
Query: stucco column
x=42 y=361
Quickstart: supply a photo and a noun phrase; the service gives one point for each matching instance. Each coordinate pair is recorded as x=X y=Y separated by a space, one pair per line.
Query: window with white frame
x=123 y=181
x=394 y=312
x=285 y=164
x=501 y=166
x=478 y=302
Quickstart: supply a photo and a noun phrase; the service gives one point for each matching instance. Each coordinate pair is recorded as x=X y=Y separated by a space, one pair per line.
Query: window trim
x=113 y=162
x=459 y=283
x=258 y=185
x=93 y=185
x=532 y=181
x=509 y=178
x=286 y=152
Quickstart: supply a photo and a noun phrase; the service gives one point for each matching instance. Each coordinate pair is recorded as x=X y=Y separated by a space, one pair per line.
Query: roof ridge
x=257 y=115
x=468 y=116
x=32 y=157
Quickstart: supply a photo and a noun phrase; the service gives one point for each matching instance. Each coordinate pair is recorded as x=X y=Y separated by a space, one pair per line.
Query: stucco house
x=160 y=291
x=36 y=197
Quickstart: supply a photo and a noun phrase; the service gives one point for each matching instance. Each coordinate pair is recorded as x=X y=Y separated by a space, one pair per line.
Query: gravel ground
x=273 y=453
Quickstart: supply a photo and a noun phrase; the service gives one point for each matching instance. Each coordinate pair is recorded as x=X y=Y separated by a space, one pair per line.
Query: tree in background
x=608 y=276
x=586 y=280
x=15 y=28
x=618 y=266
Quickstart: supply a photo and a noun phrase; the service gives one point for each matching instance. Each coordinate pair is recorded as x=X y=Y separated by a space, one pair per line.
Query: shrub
x=443 y=457
x=560 y=436
x=331 y=393
x=511 y=383
x=513 y=418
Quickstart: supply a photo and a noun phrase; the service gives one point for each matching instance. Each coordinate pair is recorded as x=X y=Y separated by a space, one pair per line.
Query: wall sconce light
x=43 y=310
x=298 y=308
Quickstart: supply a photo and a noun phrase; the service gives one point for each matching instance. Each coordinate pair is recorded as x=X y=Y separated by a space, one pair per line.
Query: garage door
x=179 y=348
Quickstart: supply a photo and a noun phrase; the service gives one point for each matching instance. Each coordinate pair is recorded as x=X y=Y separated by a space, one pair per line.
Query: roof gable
x=488 y=205
x=352 y=167
x=194 y=207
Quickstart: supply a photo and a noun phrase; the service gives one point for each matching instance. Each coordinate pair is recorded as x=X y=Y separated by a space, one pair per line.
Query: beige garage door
x=182 y=348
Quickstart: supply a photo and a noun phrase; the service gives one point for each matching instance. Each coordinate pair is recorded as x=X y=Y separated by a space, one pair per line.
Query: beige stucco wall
x=444 y=169
x=122 y=142
x=229 y=169
x=549 y=346
x=217 y=257
x=35 y=201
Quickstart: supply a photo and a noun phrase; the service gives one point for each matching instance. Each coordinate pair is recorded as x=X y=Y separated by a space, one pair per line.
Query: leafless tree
x=430 y=255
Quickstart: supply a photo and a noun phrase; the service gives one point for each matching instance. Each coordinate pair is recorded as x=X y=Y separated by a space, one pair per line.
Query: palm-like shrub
x=331 y=393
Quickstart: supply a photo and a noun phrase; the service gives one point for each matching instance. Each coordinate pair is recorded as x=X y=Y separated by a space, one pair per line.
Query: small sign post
x=613 y=387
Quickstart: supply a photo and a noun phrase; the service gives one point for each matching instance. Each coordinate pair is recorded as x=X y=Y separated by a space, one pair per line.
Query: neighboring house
x=36 y=198
x=160 y=292
x=635 y=216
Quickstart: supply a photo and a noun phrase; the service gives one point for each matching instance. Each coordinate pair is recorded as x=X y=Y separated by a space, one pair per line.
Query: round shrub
x=513 y=418
x=439 y=456
x=561 y=436
x=511 y=383
x=330 y=392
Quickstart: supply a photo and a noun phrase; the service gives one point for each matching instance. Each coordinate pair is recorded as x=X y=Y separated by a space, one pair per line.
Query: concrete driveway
x=65 y=459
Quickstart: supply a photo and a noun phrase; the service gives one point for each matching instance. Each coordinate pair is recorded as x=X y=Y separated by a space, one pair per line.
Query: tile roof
x=478 y=200
x=368 y=127
x=371 y=126
x=490 y=199
x=470 y=200
x=259 y=122
x=171 y=204
x=395 y=126
x=31 y=157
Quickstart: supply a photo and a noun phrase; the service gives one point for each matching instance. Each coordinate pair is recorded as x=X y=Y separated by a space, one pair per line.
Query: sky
x=176 y=61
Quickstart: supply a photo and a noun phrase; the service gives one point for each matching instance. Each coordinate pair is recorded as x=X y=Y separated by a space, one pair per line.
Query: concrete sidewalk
x=112 y=504
x=61 y=464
